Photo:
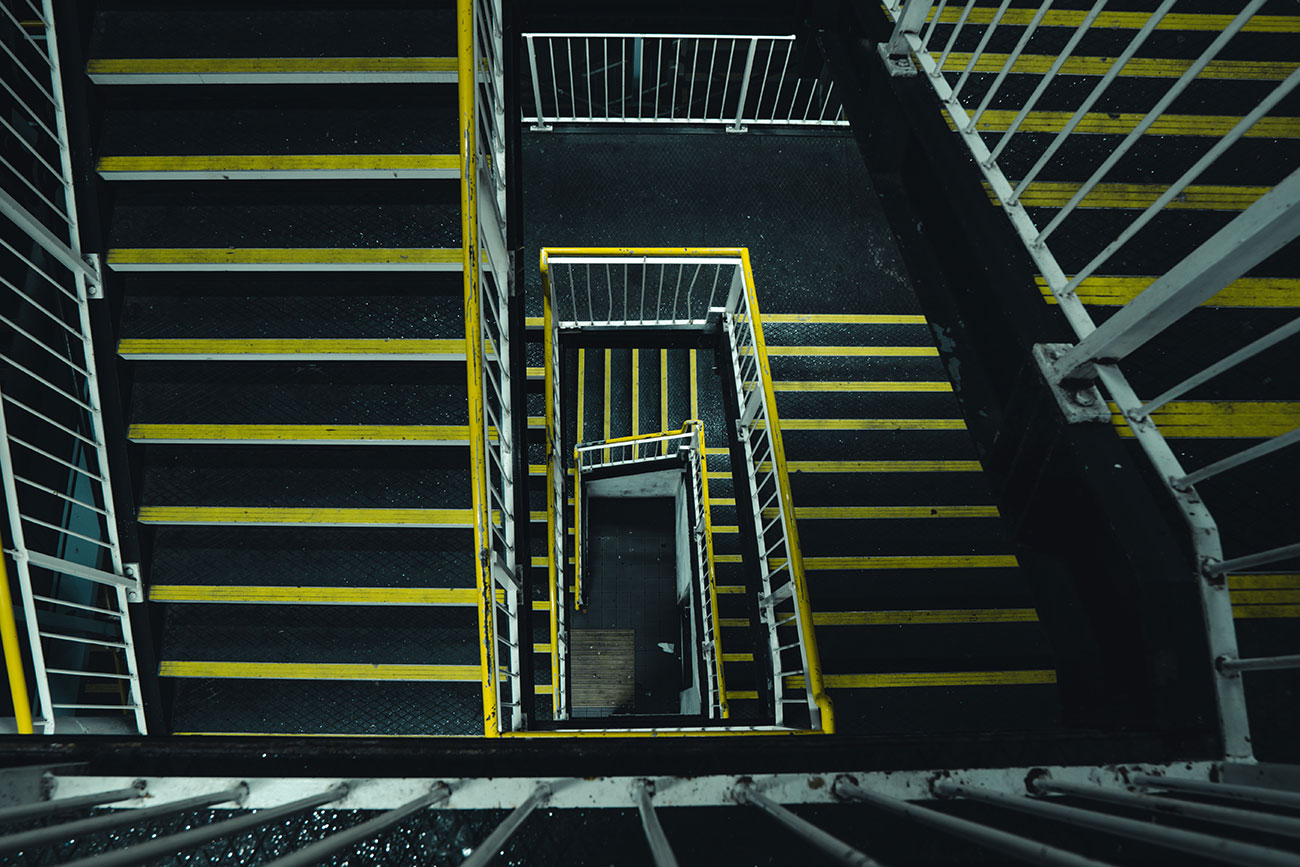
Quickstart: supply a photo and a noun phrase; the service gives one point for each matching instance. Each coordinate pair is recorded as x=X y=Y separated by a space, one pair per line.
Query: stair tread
x=219 y=706
x=353 y=635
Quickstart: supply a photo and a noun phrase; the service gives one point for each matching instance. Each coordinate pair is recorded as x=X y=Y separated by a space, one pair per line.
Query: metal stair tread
x=286 y=258
x=284 y=516
x=301 y=349
x=284 y=166
x=457 y=435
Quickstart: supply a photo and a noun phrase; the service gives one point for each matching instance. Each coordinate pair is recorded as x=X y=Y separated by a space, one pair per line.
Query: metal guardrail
x=73 y=586
x=487 y=343
x=627 y=452
x=1217 y=814
x=677 y=79
x=732 y=304
x=1075 y=370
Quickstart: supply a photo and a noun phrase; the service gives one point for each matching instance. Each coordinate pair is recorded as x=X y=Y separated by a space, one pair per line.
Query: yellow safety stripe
x=920 y=617
x=1021 y=17
x=881 y=351
x=300 y=432
x=903 y=561
x=663 y=389
x=1198 y=197
x=1220 y=418
x=1243 y=292
x=283 y=256
x=265 y=65
x=208 y=734
x=287 y=346
x=536 y=373
x=1266 y=612
x=742 y=695
x=733 y=622
x=843 y=319
x=931 y=678
x=1138 y=67
x=1265 y=581
x=1265 y=597
x=694 y=389
x=728 y=529
x=582 y=389
x=883 y=466
x=1104 y=123
x=636 y=398
x=315 y=595
x=731 y=590
x=872 y=424
x=841 y=386
x=804 y=513
x=333 y=517
x=319 y=671
x=737 y=657
x=608 y=384
x=234 y=163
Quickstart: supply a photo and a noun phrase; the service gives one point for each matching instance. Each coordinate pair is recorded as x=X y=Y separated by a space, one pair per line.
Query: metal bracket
x=897 y=65
x=1080 y=401
x=737 y=128
x=132 y=570
x=95 y=288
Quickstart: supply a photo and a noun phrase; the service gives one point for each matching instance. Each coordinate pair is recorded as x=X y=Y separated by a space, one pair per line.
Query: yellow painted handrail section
x=815 y=683
x=13 y=656
x=474 y=357
x=548 y=377
x=709 y=252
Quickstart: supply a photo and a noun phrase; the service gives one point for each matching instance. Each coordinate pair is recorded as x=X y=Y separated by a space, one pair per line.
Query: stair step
x=264 y=434
x=279 y=167
x=314 y=557
x=358 y=707
x=321 y=642
x=223 y=516
x=300 y=595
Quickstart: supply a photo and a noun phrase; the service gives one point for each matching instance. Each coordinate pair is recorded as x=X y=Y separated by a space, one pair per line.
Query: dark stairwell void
x=924 y=620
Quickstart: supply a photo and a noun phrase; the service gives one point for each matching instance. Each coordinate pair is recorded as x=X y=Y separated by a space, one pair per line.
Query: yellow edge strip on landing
x=1243 y=292
x=931 y=678
x=872 y=424
x=898 y=385
x=1125 y=20
x=287 y=346
x=842 y=319
x=1200 y=197
x=1102 y=123
x=1265 y=581
x=902 y=561
x=282 y=256
x=1220 y=418
x=187 y=65
x=925 y=616
x=883 y=466
x=319 y=671
x=884 y=351
x=235 y=163
x=1138 y=67
x=817 y=513
x=320 y=595
x=299 y=432
x=737 y=657
x=261 y=515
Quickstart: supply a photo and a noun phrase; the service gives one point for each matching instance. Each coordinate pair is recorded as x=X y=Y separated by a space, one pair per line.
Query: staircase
x=285 y=238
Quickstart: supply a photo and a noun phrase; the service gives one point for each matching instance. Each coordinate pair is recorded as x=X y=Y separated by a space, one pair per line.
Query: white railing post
x=541 y=125
x=738 y=126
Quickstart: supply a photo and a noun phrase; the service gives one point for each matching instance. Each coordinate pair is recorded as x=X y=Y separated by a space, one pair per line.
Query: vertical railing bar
x=573 y=292
x=681 y=270
x=625 y=284
x=586 y=54
x=822 y=115
x=979 y=49
x=726 y=81
x=762 y=87
x=1059 y=139
x=591 y=314
x=609 y=291
x=1047 y=79
x=660 y=301
x=934 y=22
x=659 y=72
x=1010 y=62
x=690 y=290
x=717 y=273
x=690 y=93
x=537 y=88
x=812 y=91
x=573 y=91
x=776 y=97
x=622 y=81
x=952 y=38
x=708 y=88
x=745 y=78
x=555 y=84
x=677 y=53
x=1154 y=114
x=643 y=279
x=604 y=74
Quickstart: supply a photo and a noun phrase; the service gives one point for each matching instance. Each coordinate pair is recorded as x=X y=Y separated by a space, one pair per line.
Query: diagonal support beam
x=1257 y=233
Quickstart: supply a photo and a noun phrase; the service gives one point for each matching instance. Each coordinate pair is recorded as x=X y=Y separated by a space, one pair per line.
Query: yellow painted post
x=804 y=607
x=474 y=361
x=13 y=656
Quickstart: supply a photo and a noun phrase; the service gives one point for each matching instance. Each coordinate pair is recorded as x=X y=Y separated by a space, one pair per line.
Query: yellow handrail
x=13 y=655
x=713 y=584
x=474 y=358
x=710 y=252
x=814 y=683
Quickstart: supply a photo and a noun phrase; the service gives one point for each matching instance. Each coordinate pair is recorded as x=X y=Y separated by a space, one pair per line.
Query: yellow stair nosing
x=235 y=164
x=319 y=671
x=304 y=516
x=300 y=348
x=313 y=595
x=336 y=434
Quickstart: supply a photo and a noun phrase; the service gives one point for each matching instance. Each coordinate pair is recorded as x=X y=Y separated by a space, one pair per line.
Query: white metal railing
x=488 y=342
x=612 y=297
x=596 y=288
x=627 y=452
x=1263 y=228
x=73 y=586
x=684 y=79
